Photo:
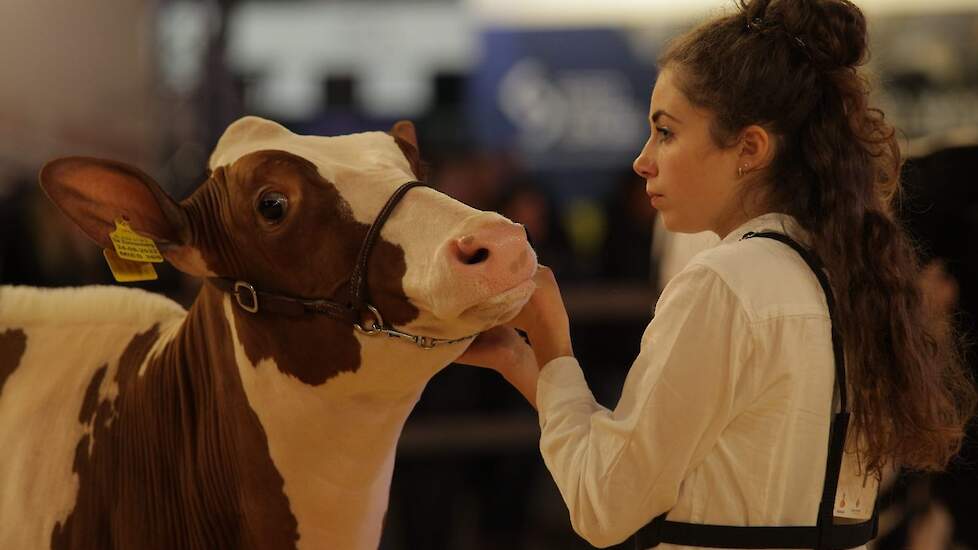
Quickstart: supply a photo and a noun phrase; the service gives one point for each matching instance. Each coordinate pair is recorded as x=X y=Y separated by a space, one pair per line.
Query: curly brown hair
x=790 y=66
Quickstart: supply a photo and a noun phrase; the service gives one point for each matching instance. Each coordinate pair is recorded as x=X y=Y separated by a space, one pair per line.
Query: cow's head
x=288 y=213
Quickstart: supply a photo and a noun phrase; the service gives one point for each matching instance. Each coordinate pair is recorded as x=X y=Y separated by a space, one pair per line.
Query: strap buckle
x=253 y=306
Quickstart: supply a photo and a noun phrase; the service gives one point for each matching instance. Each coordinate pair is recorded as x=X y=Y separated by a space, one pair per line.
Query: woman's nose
x=644 y=166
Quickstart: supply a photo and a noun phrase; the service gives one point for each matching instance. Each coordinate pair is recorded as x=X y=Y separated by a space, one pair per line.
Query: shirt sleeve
x=618 y=469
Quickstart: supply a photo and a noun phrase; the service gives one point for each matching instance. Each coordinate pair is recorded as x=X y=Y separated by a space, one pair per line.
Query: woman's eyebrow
x=660 y=113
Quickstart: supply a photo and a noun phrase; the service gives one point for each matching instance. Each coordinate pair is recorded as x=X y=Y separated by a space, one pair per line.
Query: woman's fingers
x=504 y=351
x=544 y=319
x=496 y=349
x=544 y=306
x=544 y=276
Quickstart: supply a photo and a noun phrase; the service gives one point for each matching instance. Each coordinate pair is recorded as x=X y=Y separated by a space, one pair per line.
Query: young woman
x=759 y=125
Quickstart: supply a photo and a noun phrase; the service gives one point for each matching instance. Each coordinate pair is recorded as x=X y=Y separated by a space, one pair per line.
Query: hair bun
x=834 y=31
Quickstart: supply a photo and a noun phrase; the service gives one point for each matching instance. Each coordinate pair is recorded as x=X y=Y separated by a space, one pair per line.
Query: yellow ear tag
x=132 y=246
x=126 y=271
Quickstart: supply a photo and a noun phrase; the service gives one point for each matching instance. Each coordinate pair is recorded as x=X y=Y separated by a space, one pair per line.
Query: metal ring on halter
x=378 y=323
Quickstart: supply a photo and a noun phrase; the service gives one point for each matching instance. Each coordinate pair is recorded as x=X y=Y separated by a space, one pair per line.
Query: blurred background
x=533 y=108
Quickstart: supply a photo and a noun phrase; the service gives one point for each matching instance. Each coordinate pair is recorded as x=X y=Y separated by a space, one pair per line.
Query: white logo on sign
x=578 y=111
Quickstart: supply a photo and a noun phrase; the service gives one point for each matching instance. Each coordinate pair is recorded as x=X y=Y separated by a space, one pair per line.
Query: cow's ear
x=407 y=139
x=94 y=193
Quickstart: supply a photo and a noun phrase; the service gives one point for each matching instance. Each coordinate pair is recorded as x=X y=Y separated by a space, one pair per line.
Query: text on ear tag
x=130 y=245
x=126 y=271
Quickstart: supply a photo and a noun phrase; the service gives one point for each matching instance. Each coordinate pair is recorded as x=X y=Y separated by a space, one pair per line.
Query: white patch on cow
x=70 y=334
x=334 y=444
x=167 y=332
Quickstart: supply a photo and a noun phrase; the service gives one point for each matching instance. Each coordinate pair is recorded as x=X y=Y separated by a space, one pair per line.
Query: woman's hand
x=544 y=319
x=545 y=322
x=500 y=349
x=504 y=351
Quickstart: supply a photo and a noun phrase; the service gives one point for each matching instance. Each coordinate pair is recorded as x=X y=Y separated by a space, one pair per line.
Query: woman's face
x=690 y=181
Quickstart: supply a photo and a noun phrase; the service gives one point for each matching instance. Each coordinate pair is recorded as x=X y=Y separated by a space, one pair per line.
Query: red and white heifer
x=127 y=422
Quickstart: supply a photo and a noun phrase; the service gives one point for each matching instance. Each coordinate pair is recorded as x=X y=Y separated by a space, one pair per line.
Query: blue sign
x=566 y=99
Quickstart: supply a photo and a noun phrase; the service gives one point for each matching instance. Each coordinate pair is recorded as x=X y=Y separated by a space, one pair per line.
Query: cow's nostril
x=480 y=256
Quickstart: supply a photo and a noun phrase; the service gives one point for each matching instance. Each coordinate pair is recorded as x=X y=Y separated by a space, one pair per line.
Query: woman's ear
x=757 y=147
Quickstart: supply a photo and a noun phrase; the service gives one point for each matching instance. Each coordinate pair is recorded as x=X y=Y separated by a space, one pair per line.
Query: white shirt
x=724 y=416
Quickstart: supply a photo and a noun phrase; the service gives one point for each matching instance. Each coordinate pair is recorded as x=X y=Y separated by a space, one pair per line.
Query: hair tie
x=803 y=47
x=757 y=25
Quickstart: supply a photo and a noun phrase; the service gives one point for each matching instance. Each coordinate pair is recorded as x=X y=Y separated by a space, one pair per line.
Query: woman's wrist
x=546 y=351
x=522 y=374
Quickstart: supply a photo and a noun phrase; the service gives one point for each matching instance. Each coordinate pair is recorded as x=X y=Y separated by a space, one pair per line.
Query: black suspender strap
x=727 y=536
x=816 y=266
x=826 y=534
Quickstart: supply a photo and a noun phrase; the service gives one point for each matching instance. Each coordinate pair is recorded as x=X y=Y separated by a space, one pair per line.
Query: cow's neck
x=226 y=490
x=332 y=443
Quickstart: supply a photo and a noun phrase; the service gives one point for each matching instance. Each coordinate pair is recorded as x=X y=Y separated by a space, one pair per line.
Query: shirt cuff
x=561 y=382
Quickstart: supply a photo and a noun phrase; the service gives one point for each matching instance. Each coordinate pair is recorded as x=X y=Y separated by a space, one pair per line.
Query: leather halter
x=252 y=300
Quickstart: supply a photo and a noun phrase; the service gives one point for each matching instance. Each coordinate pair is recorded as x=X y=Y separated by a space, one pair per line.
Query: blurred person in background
x=628 y=241
x=760 y=124
x=475 y=178
x=526 y=203
x=39 y=246
x=940 y=209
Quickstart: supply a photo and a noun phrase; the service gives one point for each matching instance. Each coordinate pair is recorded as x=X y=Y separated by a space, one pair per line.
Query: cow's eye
x=272 y=206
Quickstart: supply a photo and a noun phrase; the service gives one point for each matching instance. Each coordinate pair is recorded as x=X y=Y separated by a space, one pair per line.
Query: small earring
x=742 y=169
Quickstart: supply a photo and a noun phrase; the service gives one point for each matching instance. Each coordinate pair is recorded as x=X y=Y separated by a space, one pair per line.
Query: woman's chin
x=672 y=223
x=676 y=224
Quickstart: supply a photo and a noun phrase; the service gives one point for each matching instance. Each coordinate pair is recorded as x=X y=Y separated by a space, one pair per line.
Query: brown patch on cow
x=13 y=343
x=91 y=396
x=179 y=459
x=310 y=254
x=92 y=524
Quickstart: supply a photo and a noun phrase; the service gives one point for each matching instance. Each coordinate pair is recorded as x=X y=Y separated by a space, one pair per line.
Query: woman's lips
x=655 y=198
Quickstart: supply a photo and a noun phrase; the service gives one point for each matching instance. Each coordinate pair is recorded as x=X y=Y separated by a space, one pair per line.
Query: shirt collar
x=772 y=221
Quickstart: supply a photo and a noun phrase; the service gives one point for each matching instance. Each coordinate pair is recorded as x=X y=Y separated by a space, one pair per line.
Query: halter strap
x=251 y=300
x=358 y=281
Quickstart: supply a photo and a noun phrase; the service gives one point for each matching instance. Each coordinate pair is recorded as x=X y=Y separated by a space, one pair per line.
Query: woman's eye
x=272 y=206
x=663 y=133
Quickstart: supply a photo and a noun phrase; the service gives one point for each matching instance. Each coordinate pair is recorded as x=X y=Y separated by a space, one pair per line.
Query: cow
x=265 y=416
